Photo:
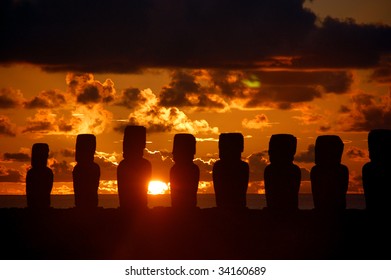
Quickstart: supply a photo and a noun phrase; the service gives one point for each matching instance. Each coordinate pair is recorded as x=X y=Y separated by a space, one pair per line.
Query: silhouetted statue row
x=329 y=178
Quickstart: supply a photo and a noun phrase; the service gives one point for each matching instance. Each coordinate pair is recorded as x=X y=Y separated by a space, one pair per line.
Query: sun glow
x=157 y=187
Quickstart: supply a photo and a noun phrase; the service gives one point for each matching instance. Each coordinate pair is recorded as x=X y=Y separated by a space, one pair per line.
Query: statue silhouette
x=376 y=174
x=39 y=179
x=86 y=173
x=230 y=173
x=329 y=178
x=134 y=172
x=282 y=177
x=185 y=174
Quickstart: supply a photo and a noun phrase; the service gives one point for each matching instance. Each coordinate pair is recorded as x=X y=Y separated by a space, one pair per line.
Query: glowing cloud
x=260 y=121
x=10 y=98
x=10 y=175
x=46 y=99
x=93 y=119
x=6 y=127
x=166 y=119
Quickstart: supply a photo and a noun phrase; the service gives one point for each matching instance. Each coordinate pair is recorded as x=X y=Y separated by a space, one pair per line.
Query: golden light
x=157 y=187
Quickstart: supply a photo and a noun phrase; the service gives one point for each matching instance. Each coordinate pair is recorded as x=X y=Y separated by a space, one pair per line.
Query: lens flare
x=252 y=82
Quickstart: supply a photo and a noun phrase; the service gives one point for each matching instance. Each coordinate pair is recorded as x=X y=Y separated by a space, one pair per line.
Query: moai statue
x=230 y=173
x=134 y=171
x=39 y=179
x=282 y=177
x=185 y=174
x=376 y=174
x=86 y=173
x=329 y=178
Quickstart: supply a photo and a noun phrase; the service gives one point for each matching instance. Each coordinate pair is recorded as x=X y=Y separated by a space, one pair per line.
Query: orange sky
x=323 y=76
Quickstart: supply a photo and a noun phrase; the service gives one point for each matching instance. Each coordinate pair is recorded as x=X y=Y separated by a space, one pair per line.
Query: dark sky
x=126 y=36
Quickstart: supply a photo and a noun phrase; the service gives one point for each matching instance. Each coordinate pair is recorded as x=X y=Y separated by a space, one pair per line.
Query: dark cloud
x=10 y=175
x=68 y=153
x=305 y=174
x=382 y=74
x=330 y=81
x=345 y=44
x=355 y=182
x=258 y=122
x=366 y=112
x=283 y=97
x=218 y=89
x=62 y=170
x=344 y=109
x=206 y=168
x=306 y=156
x=120 y=128
x=182 y=83
x=41 y=127
x=125 y=36
x=65 y=127
x=357 y=154
x=279 y=89
x=6 y=127
x=324 y=128
x=257 y=163
x=131 y=98
x=229 y=83
x=90 y=94
x=46 y=100
x=185 y=90
x=21 y=157
x=108 y=170
x=10 y=98
x=88 y=90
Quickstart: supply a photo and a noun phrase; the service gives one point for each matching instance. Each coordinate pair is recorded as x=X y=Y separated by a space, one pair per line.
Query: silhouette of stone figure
x=282 y=177
x=329 y=178
x=86 y=173
x=134 y=172
x=39 y=179
x=376 y=174
x=230 y=173
x=185 y=174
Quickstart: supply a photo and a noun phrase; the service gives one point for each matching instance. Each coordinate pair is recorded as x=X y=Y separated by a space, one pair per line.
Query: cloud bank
x=156 y=118
x=126 y=36
x=366 y=112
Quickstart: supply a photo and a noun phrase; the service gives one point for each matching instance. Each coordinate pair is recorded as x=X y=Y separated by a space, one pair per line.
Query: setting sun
x=157 y=187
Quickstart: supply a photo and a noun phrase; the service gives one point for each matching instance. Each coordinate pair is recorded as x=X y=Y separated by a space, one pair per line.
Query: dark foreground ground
x=161 y=233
